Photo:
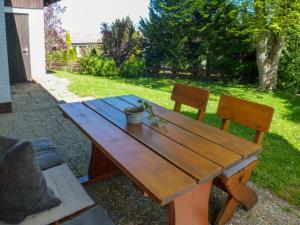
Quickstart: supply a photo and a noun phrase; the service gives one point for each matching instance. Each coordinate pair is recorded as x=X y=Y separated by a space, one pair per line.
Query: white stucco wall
x=5 y=95
x=36 y=37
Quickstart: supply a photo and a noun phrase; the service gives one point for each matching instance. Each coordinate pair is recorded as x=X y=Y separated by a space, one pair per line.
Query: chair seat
x=46 y=153
x=241 y=165
x=69 y=191
x=94 y=216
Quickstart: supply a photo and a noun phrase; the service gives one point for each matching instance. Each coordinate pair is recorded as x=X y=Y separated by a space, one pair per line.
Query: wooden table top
x=164 y=159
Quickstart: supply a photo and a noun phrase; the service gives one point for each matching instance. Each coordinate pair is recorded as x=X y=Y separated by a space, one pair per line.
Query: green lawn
x=279 y=167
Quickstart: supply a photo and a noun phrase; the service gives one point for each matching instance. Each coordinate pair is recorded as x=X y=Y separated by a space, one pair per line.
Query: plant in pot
x=135 y=114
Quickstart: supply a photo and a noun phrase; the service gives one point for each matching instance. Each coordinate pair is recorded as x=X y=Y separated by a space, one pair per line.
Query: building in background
x=85 y=43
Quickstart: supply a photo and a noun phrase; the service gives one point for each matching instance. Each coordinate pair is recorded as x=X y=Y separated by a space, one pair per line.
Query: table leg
x=100 y=167
x=192 y=207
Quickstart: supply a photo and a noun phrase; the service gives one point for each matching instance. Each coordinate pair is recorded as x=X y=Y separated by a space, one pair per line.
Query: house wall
x=36 y=38
x=5 y=96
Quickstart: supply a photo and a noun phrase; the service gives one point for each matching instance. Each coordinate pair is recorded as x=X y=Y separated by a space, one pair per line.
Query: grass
x=279 y=167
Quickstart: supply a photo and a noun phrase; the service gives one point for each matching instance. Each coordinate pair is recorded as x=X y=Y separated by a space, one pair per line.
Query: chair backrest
x=252 y=115
x=190 y=96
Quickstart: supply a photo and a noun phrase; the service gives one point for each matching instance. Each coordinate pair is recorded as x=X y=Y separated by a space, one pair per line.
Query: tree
x=162 y=35
x=289 y=69
x=70 y=53
x=54 y=33
x=196 y=34
x=68 y=40
x=120 y=40
x=271 y=23
x=214 y=40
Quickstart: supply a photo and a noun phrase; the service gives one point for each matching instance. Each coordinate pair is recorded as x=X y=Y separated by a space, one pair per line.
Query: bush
x=132 y=67
x=61 y=56
x=120 y=40
x=98 y=66
x=54 y=56
x=70 y=55
x=289 y=69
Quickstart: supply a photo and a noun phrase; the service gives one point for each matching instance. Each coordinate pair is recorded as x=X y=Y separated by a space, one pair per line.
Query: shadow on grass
x=292 y=103
x=216 y=88
x=279 y=168
x=164 y=84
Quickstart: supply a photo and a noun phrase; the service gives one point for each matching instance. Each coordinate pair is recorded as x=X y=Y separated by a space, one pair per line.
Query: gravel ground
x=35 y=114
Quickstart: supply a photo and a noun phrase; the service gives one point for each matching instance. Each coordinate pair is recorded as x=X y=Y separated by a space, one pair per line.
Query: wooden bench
x=234 y=180
x=191 y=96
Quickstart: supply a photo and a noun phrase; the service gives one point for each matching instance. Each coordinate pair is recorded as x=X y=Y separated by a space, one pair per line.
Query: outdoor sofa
x=76 y=207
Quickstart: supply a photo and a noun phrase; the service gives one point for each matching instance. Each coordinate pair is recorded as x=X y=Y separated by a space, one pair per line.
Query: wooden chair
x=191 y=96
x=234 y=180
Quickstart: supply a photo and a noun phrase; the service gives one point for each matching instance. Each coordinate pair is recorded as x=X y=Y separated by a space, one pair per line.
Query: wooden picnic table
x=174 y=162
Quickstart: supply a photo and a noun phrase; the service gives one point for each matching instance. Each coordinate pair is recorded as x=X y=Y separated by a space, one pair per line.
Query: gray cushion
x=46 y=154
x=241 y=165
x=94 y=216
x=23 y=188
x=70 y=192
x=6 y=143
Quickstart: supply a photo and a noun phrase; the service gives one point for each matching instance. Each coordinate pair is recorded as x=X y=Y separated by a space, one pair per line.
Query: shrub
x=98 y=66
x=289 y=69
x=70 y=55
x=54 y=56
x=133 y=66
x=120 y=40
x=61 y=56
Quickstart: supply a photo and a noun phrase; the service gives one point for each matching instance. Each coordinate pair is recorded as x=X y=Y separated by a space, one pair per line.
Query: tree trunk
x=268 y=53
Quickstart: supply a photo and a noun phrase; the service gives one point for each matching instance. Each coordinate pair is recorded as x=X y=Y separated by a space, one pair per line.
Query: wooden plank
x=227 y=140
x=154 y=175
x=259 y=117
x=193 y=164
x=215 y=153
